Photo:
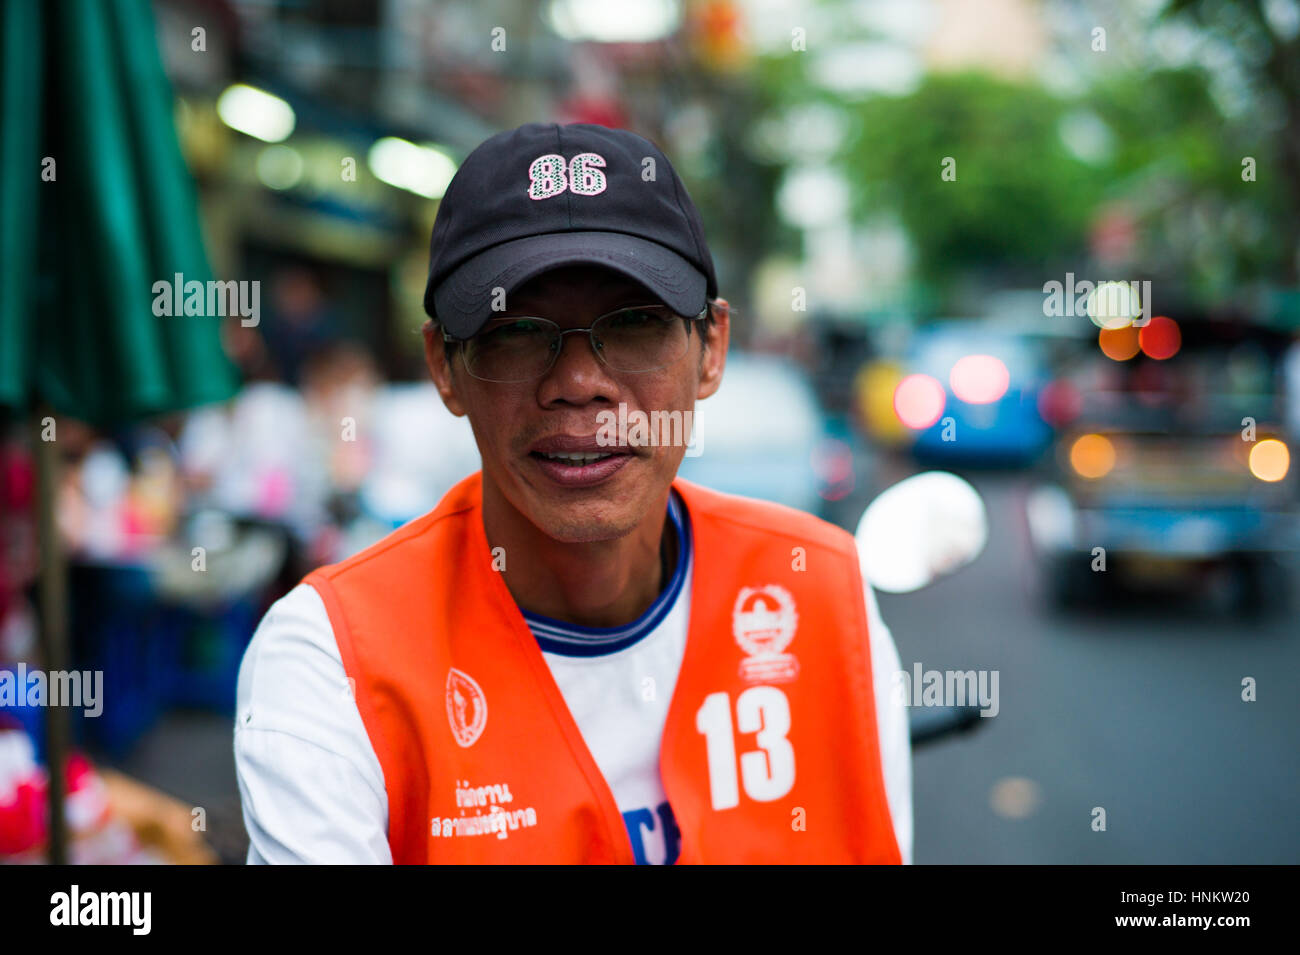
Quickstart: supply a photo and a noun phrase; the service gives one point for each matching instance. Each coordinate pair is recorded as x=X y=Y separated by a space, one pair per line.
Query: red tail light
x=1059 y=403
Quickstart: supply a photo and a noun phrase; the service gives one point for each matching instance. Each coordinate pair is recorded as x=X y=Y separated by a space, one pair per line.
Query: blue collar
x=575 y=640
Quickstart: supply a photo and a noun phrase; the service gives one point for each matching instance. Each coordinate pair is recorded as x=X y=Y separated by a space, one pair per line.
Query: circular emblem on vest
x=466 y=707
x=763 y=622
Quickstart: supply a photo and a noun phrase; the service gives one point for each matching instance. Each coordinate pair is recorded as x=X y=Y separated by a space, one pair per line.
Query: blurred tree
x=1176 y=164
x=1140 y=174
x=1033 y=176
x=1012 y=197
x=1264 y=36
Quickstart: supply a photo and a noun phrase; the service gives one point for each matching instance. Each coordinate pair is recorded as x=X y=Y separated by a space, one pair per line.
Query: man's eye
x=520 y=329
x=633 y=317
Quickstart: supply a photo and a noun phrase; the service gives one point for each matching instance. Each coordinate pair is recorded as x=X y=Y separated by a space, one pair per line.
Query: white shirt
x=312 y=787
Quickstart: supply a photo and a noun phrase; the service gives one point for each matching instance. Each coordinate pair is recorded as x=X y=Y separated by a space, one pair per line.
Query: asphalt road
x=1135 y=709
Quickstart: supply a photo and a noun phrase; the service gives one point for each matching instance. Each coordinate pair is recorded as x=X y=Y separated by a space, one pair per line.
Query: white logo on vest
x=764 y=632
x=466 y=707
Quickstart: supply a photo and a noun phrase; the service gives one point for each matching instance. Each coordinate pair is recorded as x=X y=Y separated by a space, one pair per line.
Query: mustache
x=583 y=424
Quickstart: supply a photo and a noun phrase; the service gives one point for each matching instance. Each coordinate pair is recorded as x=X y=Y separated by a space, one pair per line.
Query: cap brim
x=463 y=301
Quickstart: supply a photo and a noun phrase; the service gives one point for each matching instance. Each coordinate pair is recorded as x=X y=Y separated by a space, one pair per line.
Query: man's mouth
x=578 y=459
x=577 y=462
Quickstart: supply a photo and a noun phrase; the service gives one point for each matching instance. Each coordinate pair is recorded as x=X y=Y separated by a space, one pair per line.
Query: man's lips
x=577 y=460
x=572 y=444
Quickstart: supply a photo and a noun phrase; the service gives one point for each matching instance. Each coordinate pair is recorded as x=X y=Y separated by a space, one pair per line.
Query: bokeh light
x=256 y=113
x=1015 y=797
x=634 y=21
x=1114 y=304
x=875 y=387
x=1160 y=339
x=979 y=379
x=279 y=167
x=919 y=401
x=1092 y=456
x=422 y=169
x=1270 y=460
x=1059 y=403
x=1120 y=344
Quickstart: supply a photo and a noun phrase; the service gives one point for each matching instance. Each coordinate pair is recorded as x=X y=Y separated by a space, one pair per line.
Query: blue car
x=992 y=382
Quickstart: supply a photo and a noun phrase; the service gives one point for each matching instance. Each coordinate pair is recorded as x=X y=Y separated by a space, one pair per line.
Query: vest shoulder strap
x=767 y=517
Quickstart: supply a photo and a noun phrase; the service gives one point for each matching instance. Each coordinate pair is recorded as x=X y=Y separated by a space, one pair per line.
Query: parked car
x=763 y=434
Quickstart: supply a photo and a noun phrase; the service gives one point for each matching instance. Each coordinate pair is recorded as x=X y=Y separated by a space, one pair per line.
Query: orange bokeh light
x=1092 y=456
x=1270 y=460
x=1119 y=344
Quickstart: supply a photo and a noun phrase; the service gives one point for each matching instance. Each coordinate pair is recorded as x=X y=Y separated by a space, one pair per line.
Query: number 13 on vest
x=767 y=772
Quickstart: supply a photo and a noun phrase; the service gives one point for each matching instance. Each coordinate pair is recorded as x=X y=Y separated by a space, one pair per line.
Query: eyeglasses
x=632 y=339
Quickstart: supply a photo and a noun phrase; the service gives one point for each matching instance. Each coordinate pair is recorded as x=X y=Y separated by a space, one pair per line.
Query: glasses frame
x=690 y=320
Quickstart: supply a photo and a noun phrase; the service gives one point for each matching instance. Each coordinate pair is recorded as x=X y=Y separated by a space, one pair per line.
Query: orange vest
x=770 y=751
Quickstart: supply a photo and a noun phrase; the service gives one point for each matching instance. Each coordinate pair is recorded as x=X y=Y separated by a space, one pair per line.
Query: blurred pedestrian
x=301 y=323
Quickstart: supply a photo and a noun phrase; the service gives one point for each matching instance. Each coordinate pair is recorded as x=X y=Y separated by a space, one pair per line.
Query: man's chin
x=589 y=523
x=608 y=510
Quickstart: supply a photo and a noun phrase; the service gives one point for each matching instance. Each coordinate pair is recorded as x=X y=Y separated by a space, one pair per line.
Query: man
x=576 y=657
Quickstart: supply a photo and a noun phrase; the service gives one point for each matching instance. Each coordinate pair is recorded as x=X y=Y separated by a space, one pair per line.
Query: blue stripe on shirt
x=575 y=640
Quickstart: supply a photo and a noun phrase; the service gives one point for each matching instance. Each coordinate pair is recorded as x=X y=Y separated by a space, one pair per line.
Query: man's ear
x=435 y=357
x=716 y=336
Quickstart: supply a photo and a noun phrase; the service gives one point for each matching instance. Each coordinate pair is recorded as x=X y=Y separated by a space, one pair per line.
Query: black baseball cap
x=546 y=195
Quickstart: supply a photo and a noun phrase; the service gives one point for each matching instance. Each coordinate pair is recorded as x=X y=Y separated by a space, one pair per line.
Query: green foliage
x=1022 y=203
x=1020 y=198
x=1178 y=164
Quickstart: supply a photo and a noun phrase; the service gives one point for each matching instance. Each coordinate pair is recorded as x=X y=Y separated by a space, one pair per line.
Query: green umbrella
x=83 y=240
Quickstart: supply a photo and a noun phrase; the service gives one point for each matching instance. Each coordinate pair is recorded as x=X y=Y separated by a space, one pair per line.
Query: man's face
x=517 y=424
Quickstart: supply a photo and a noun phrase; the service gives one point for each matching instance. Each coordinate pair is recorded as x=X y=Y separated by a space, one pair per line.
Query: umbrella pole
x=54 y=626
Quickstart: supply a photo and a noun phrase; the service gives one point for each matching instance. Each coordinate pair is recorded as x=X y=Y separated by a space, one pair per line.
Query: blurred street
x=1136 y=709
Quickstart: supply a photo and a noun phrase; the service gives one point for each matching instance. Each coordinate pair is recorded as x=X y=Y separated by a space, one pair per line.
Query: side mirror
x=926 y=724
x=922 y=528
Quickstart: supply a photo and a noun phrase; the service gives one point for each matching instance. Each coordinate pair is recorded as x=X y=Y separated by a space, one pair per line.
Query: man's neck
x=600 y=584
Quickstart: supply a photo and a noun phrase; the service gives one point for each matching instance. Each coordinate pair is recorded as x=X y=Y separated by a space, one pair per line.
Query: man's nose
x=578 y=375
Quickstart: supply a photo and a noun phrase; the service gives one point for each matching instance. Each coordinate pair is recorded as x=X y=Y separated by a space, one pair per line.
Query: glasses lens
x=515 y=350
x=642 y=338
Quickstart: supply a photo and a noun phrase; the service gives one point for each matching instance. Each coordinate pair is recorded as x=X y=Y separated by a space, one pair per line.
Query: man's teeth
x=578 y=458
